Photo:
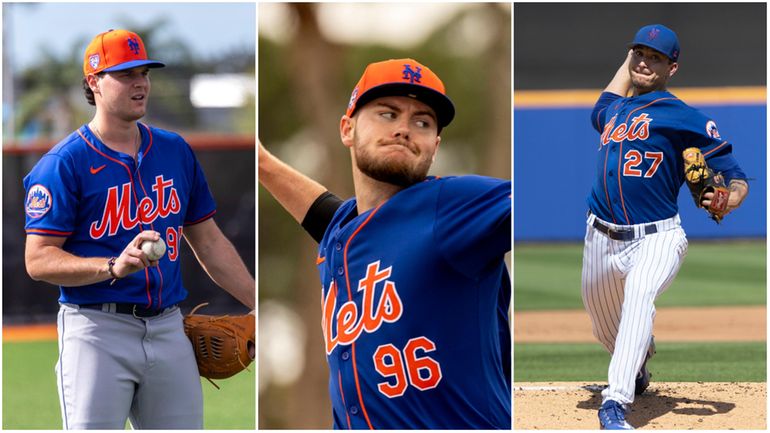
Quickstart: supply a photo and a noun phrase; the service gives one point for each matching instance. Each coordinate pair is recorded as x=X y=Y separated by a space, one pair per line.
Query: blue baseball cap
x=658 y=37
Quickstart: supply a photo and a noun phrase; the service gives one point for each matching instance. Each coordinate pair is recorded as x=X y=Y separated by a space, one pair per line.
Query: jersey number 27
x=634 y=159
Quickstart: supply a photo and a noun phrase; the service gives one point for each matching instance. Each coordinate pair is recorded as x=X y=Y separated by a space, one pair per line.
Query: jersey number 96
x=422 y=372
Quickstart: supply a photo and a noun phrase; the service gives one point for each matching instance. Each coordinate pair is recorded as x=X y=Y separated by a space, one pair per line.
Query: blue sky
x=207 y=27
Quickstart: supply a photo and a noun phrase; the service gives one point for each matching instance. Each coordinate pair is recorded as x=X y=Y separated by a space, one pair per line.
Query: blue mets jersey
x=100 y=199
x=640 y=168
x=415 y=308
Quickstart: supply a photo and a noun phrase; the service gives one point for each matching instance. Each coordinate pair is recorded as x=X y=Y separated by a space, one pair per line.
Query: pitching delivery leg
x=602 y=286
x=656 y=263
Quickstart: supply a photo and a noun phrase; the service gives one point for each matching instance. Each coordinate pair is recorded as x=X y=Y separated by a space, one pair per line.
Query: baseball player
x=634 y=244
x=415 y=292
x=91 y=201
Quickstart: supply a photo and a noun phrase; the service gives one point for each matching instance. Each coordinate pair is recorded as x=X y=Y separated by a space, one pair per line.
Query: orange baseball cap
x=402 y=77
x=116 y=50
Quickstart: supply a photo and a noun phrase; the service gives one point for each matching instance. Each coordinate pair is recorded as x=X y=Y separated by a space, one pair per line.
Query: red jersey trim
x=599 y=116
x=350 y=298
x=45 y=232
x=136 y=204
x=149 y=135
x=152 y=227
x=606 y=190
x=209 y=215
x=620 y=153
x=342 y=394
x=715 y=149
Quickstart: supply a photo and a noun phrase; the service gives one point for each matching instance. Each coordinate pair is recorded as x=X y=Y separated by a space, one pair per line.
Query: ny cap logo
x=411 y=75
x=133 y=45
x=653 y=33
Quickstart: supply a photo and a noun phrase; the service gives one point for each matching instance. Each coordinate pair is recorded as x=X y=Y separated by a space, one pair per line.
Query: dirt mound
x=664 y=406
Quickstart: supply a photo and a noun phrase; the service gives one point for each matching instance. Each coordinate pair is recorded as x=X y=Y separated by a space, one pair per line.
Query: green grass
x=547 y=276
x=674 y=362
x=30 y=399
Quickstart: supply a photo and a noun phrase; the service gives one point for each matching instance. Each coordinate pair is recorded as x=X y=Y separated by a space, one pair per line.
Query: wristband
x=110 y=264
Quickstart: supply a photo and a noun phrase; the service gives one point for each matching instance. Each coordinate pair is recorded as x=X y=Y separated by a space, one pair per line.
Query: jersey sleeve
x=702 y=132
x=51 y=197
x=473 y=222
x=600 y=109
x=201 y=205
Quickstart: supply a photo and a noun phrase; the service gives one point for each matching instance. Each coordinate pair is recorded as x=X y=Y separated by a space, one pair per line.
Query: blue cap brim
x=440 y=103
x=643 y=44
x=135 y=64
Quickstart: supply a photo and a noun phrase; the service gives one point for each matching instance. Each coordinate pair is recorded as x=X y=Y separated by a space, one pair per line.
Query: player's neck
x=639 y=92
x=371 y=193
x=120 y=136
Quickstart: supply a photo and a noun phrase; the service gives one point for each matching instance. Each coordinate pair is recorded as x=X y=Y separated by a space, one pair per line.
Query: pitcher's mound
x=664 y=406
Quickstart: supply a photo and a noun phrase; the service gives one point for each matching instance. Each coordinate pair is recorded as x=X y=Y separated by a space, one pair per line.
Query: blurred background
x=564 y=56
x=310 y=58
x=206 y=93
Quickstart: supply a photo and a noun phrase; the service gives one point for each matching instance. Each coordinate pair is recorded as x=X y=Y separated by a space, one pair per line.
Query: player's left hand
x=707 y=197
x=737 y=190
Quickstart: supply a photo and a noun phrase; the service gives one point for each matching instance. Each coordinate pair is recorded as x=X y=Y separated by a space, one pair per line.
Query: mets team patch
x=38 y=201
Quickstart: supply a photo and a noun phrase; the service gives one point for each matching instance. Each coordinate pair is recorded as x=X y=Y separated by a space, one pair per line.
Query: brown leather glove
x=701 y=179
x=221 y=343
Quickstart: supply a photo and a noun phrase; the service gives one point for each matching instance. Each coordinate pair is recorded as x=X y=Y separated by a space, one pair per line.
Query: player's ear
x=347 y=127
x=672 y=69
x=93 y=82
x=435 y=151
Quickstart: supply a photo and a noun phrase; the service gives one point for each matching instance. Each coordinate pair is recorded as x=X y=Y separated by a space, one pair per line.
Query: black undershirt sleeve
x=320 y=215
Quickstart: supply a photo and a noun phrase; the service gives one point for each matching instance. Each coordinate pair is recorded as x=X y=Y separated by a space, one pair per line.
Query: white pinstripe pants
x=621 y=280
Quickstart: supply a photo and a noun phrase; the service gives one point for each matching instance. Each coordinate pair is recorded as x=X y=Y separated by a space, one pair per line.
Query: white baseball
x=154 y=250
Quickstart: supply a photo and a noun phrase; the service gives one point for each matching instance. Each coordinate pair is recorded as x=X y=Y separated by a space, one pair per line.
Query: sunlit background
x=206 y=93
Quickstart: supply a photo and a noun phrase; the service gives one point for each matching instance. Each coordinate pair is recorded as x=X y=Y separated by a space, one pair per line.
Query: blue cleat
x=612 y=416
x=644 y=375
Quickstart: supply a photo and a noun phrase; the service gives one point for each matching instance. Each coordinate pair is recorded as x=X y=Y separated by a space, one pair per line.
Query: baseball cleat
x=612 y=416
x=644 y=375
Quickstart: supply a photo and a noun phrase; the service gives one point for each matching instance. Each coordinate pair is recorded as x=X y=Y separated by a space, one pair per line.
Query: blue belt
x=136 y=310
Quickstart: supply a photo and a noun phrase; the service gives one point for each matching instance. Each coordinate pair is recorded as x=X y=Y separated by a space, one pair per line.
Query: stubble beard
x=389 y=171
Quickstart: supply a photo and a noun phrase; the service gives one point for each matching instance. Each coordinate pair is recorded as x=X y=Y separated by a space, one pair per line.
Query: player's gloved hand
x=707 y=188
x=133 y=259
x=738 y=189
x=251 y=346
x=223 y=345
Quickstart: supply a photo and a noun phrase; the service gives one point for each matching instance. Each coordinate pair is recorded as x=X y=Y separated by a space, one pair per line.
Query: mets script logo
x=133 y=45
x=411 y=75
x=351 y=319
x=118 y=212
x=639 y=129
x=38 y=201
